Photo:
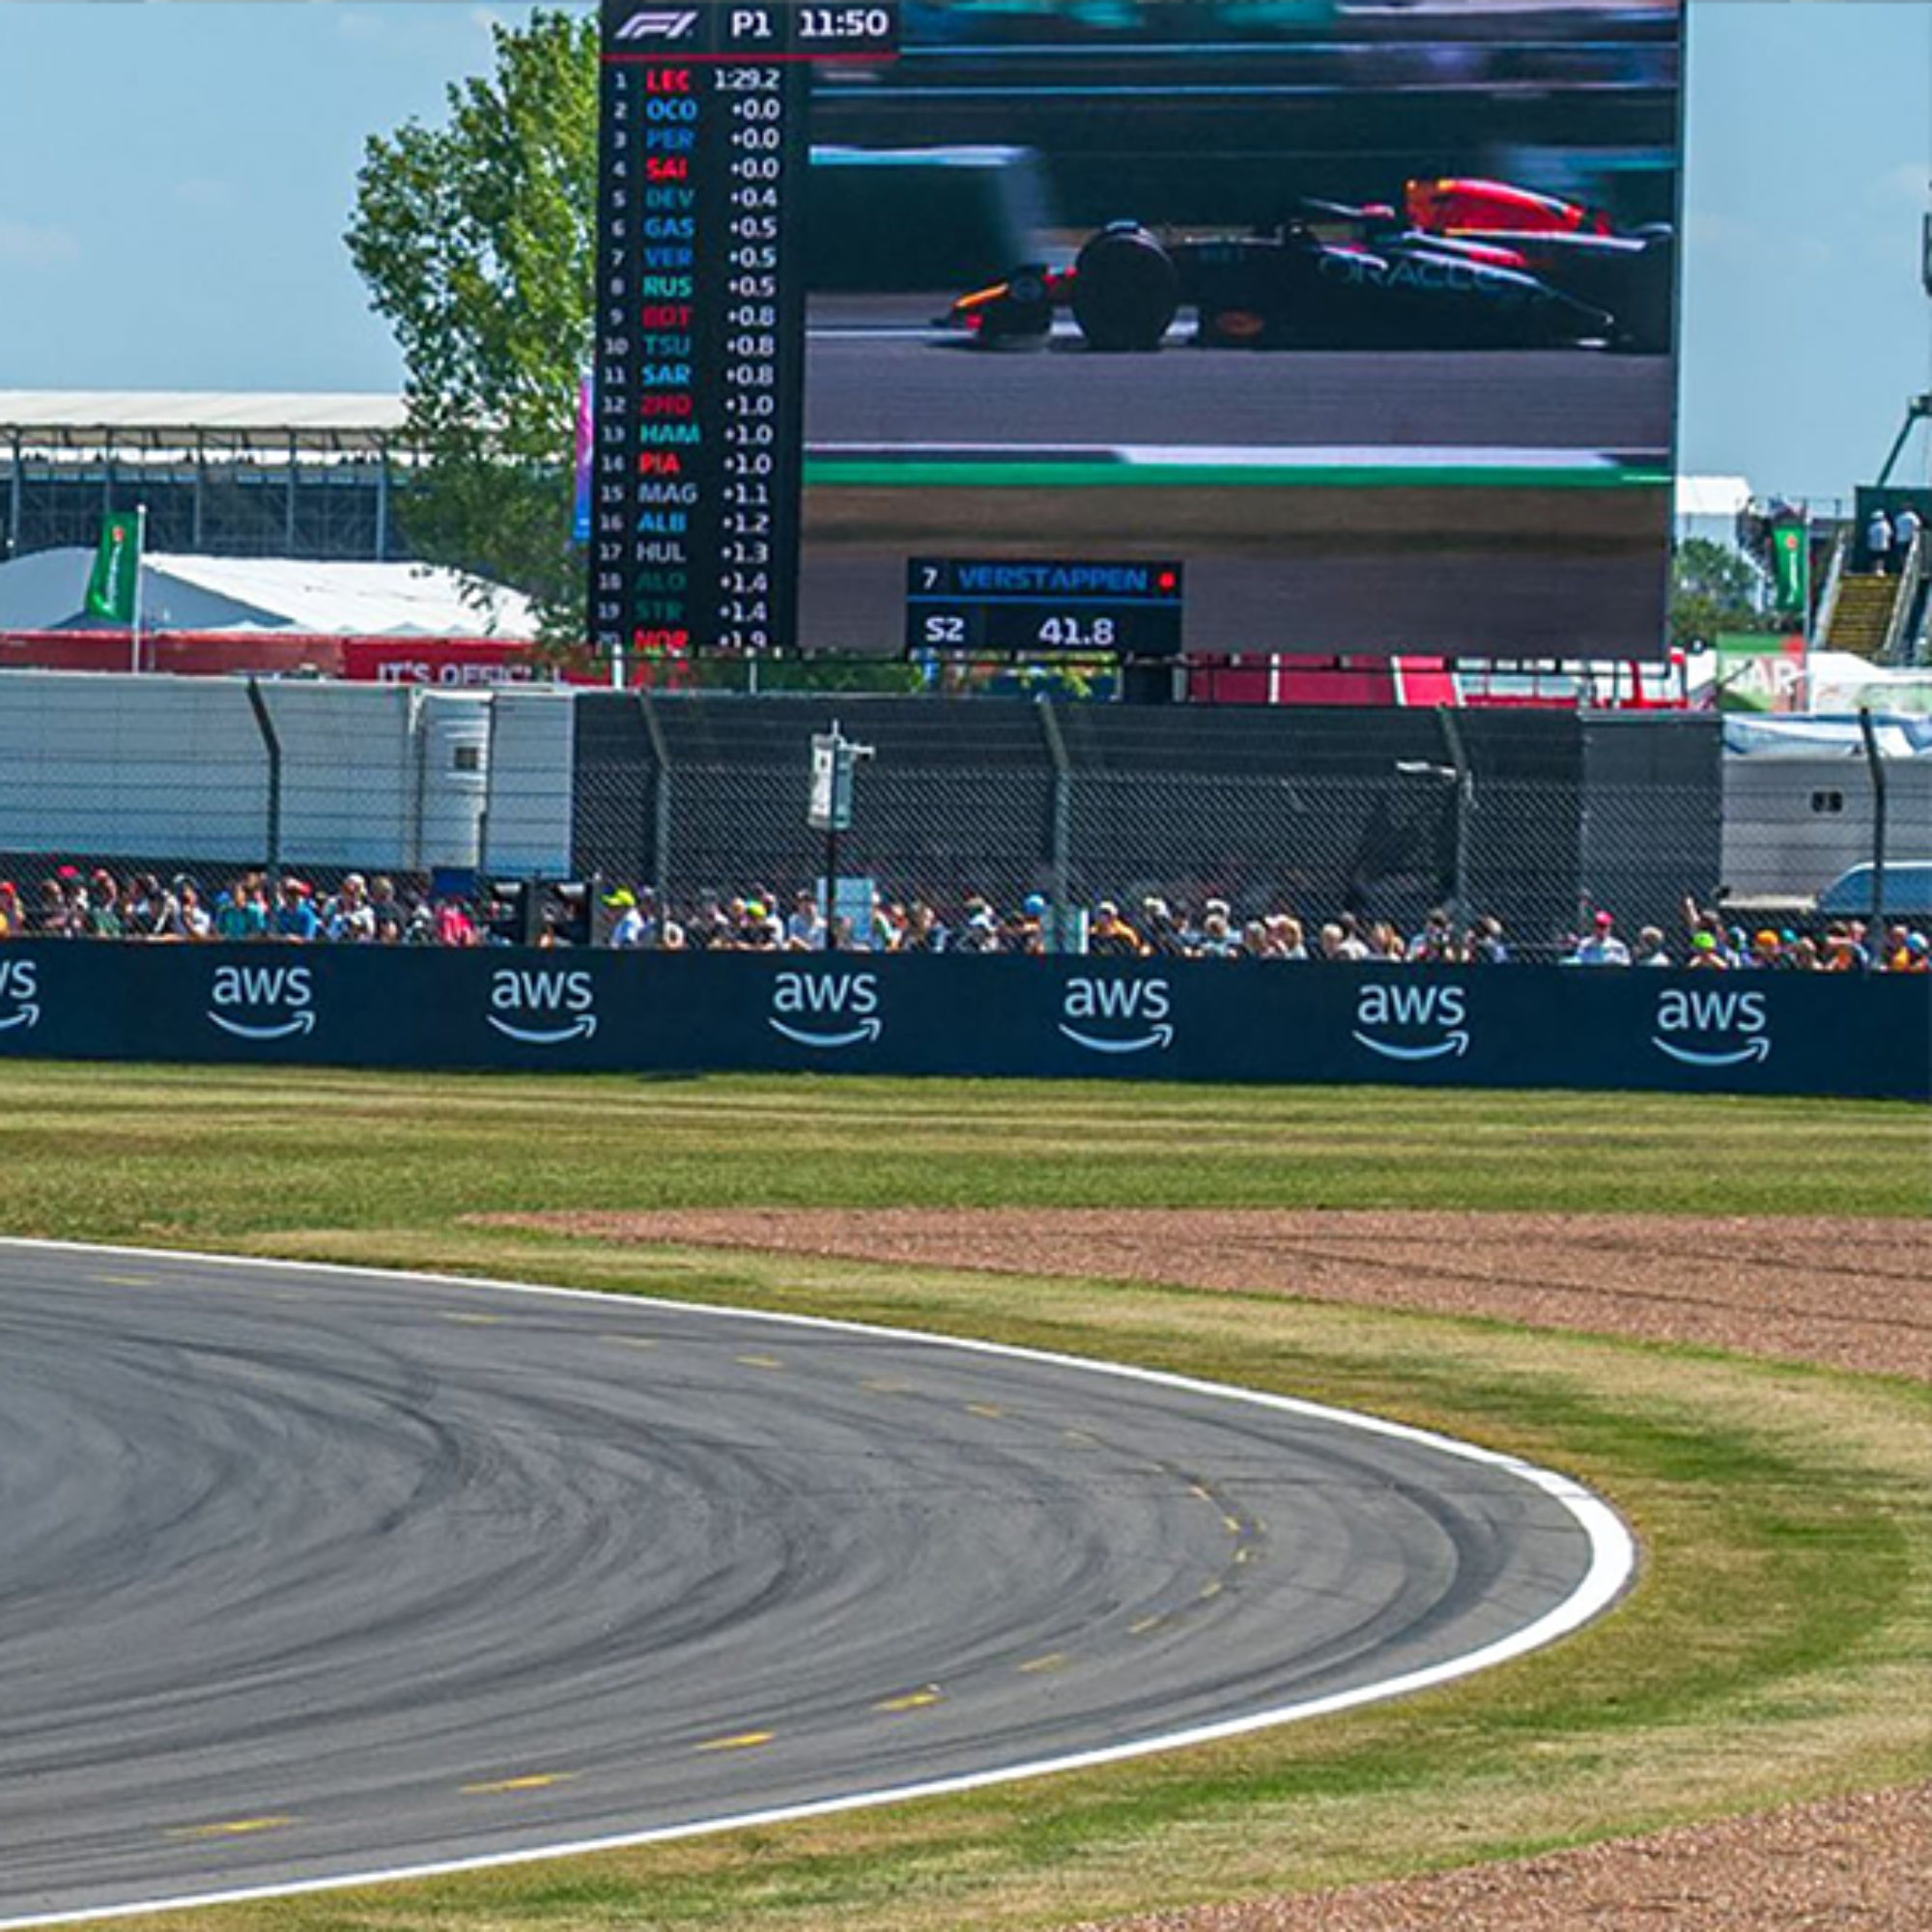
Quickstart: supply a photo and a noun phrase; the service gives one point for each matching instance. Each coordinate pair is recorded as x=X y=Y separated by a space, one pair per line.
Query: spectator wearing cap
x=49 y=916
x=293 y=917
x=805 y=928
x=1844 y=948
x=451 y=925
x=1342 y=942
x=1160 y=928
x=635 y=923
x=1286 y=939
x=1601 y=945
x=1488 y=944
x=12 y=915
x=1706 y=954
x=188 y=918
x=104 y=908
x=146 y=907
x=1111 y=937
x=348 y=918
x=980 y=931
x=241 y=912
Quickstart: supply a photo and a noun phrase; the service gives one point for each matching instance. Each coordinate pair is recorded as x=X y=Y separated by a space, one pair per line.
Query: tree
x=477 y=241
x=1713 y=590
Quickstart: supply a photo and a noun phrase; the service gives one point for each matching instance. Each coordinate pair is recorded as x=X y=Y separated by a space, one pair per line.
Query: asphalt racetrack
x=308 y=1575
x=878 y=374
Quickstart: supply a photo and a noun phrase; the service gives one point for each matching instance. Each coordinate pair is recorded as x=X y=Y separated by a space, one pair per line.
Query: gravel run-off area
x=1848 y=1294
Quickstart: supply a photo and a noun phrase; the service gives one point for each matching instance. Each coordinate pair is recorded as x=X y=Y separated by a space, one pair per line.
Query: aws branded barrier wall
x=515 y=1009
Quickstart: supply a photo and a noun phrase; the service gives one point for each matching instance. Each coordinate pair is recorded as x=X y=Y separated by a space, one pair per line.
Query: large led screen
x=1350 y=326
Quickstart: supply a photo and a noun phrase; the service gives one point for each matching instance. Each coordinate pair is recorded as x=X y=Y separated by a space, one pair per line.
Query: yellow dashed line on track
x=1212 y=1588
x=989 y=1410
x=762 y=1361
x=1232 y=1524
x=881 y=1386
x=744 y=1741
x=472 y=1321
x=232 y=1828
x=123 y=1280
x=1145 y=1624
x=913 y=1700
x=1054 y=1660
x=1080 y=1437
x=536 y=1781
x=1246 y=1554
x=633 y=1341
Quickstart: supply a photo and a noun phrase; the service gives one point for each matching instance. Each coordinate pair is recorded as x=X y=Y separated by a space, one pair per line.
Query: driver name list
x=699 y=340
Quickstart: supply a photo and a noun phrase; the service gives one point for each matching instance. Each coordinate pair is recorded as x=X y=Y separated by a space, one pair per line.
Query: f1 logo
x=658 y=25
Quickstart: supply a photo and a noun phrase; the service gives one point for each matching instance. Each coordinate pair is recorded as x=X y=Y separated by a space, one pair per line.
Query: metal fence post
x=1060 y=854
x=1875 y=771
x=1462 y=803
x=271 y=745
x=660 y=805
x=484 y=816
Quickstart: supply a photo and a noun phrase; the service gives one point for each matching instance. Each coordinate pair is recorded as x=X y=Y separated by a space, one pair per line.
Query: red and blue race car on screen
x=1460 y=264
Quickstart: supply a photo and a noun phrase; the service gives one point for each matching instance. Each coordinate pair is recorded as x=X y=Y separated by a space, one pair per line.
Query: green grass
x=115 y=1154
x=1776 y=1648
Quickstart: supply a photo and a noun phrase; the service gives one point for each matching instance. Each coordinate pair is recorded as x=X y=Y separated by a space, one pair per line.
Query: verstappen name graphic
x=827 y=997
x=1412 y=1007
x=1145 y=1004
x=1725 y=1028
x=542 y=1007
x=285 y=992
x=19 y=983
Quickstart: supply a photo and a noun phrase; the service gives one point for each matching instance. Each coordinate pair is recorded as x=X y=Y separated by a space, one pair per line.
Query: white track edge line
x=1612 y=1564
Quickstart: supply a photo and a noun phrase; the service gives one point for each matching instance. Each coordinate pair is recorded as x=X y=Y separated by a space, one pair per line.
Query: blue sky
x=175 y=178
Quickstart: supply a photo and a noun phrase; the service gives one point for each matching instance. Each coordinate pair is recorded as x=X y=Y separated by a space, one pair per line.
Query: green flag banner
x=1791 y=553
x=117 y=567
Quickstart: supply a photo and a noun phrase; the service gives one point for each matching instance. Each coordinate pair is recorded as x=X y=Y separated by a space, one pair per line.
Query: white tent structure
x=243 y=595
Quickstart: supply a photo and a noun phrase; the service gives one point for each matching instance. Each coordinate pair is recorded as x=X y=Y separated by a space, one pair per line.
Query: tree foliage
x=477 y=241
x=1715 y=589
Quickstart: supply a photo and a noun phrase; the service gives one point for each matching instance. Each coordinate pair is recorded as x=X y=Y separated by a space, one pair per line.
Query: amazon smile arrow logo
x=282 y=1030
x=1758 y=1049
x=1457 y=1043
x=28 y=1016
x=867 y=1030
x=583 y=1027
x=1161 y=1036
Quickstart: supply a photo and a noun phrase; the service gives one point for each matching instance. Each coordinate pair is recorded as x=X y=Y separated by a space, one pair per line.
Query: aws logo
x=1726 y=1028
x=1414 y=1008
x=279 y=1001
x=540 y=1007
x=20 y=984
x=1142 y=1005
x=844 y=1005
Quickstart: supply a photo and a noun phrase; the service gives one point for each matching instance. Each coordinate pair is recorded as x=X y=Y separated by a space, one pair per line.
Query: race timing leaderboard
x=698 y=451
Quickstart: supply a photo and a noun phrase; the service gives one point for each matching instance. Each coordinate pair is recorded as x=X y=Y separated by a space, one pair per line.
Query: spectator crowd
x=73 y=902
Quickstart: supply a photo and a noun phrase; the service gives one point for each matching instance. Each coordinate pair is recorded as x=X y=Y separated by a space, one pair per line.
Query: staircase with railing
x=1861 y=615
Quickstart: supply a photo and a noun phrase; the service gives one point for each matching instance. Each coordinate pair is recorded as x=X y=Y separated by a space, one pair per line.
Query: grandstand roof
x=170 y=418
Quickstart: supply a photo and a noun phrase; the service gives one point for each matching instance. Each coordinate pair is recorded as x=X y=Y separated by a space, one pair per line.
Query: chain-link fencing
x=978 y=824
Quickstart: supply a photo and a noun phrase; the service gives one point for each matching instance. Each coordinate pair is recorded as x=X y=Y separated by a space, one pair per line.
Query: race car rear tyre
x=1125 y=289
